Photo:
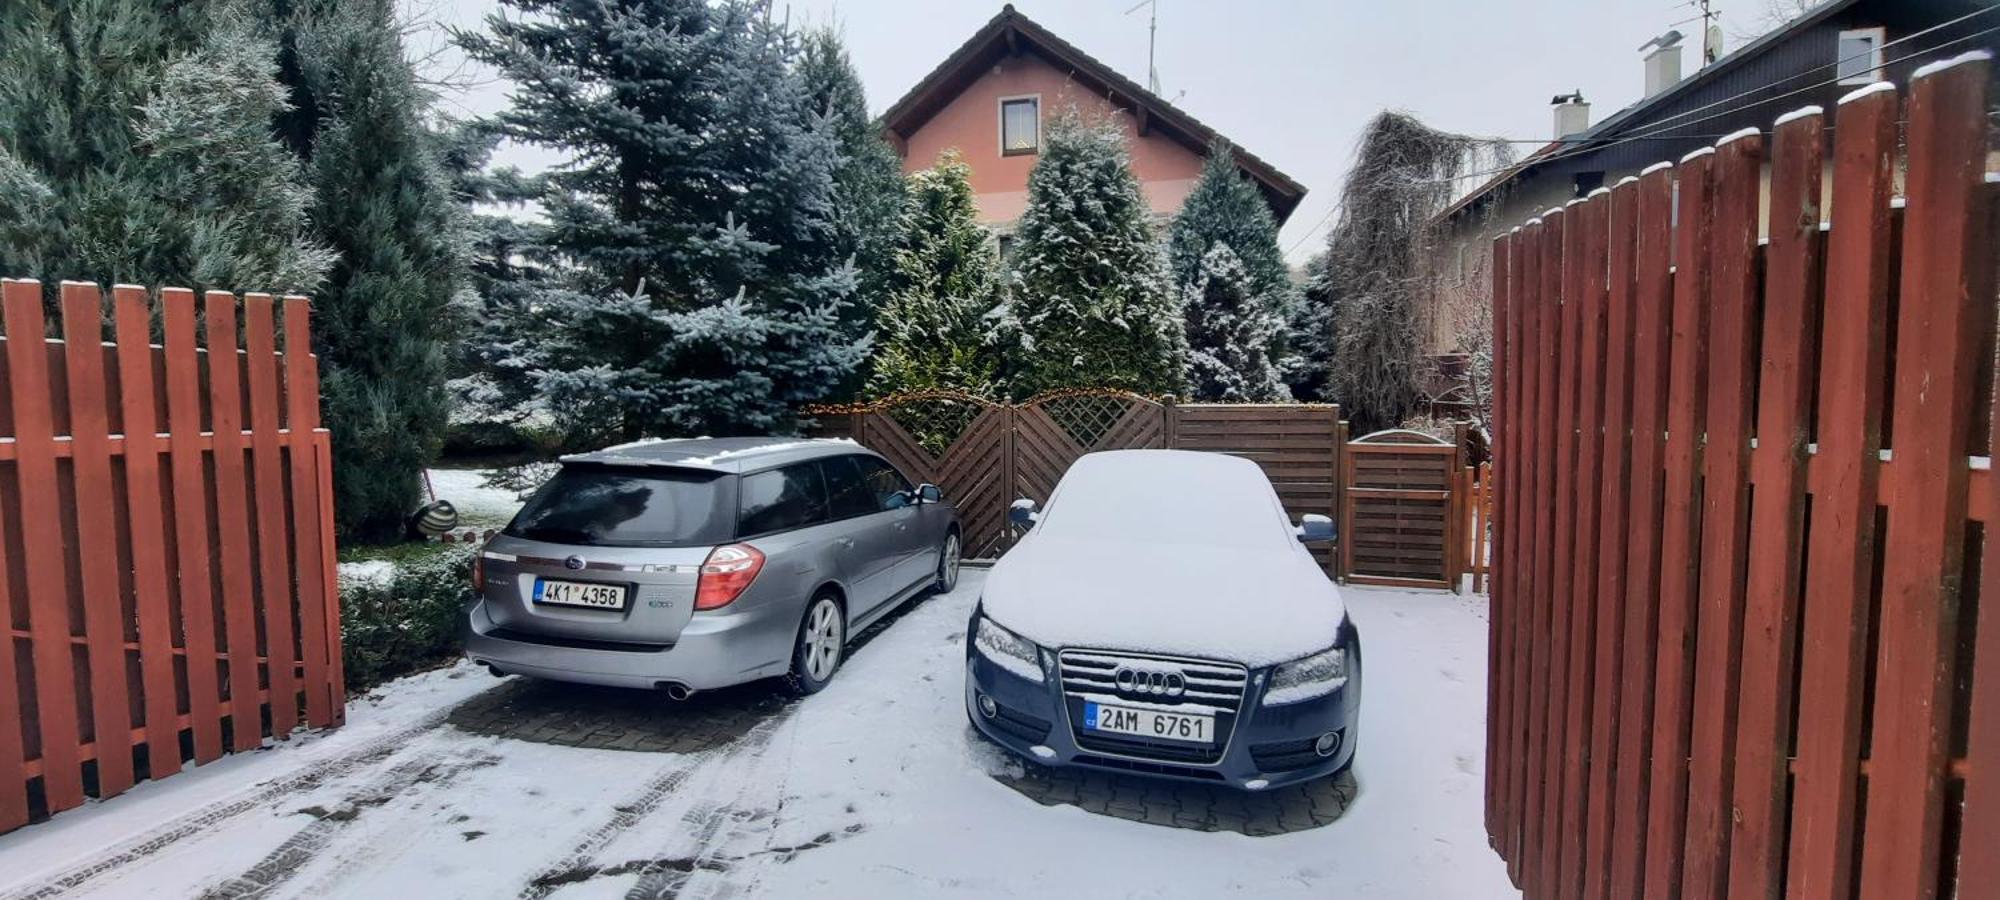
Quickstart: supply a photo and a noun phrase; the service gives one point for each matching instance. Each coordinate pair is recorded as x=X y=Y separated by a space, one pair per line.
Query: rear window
x=612 y=506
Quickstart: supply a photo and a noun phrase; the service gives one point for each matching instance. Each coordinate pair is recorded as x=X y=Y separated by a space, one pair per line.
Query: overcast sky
x=1291 y=80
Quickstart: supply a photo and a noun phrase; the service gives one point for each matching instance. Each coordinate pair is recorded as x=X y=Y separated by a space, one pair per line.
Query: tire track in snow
x=432 y=769
x=200 y=821
x=577 y=865
x=708 y=819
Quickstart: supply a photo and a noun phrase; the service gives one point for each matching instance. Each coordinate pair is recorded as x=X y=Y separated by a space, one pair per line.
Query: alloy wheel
x=948 y=565
x=824 y=639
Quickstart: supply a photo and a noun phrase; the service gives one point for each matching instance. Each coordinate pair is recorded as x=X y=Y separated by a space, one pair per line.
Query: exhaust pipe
x=677 y=691
x=493 y=670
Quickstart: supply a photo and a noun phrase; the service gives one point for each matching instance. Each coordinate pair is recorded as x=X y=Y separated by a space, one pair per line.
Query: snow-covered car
x=1163 y=616
x=695 y=564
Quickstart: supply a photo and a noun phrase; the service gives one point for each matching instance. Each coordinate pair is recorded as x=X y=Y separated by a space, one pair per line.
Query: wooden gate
x=1398 y=526
x=985 y=454
x=166 y=539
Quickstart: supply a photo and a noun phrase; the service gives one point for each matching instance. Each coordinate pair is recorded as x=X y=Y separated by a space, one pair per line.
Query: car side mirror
x=929 y=493
x=1315 y=529
x=1022 y=513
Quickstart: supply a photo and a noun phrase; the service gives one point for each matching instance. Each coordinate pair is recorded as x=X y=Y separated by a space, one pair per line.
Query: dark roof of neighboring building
x=730 y=454
x=1637 y=114
x=1011 y=32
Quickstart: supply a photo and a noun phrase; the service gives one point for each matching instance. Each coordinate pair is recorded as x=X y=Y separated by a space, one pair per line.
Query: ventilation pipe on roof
x=1572 y=114
x=1663 y=62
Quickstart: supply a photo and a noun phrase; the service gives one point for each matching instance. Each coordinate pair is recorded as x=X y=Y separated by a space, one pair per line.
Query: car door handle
x=902 y=526
x=845 y=542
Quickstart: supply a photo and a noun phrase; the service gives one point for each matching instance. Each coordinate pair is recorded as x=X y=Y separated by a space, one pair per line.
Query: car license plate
x=576 y=593
x=1192 y=728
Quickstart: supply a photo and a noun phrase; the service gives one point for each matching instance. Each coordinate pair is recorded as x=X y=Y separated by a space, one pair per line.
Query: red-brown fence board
x=1687 y=411
x=1732 y=362
x=140 y=425
x=1585 y=273
x=1852 y=369
x=1772 y=415
x=1559 y=247
x=1650 y=319
x=1944 y=329
x=1771 y=594
x=107 y=449
x=97 y=570
x=1612 y=480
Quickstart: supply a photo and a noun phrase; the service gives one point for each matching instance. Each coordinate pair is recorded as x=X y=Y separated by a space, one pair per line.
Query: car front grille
x=1191 y=685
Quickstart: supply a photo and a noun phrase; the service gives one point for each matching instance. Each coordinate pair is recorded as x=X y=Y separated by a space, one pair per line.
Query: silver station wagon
x=688 y=565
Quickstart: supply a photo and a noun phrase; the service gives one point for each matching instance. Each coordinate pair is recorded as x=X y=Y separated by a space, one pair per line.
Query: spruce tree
x=1309 y=334
x=1226 y=209
x=1230 y=332
x=1092 y=304
x=136 y=146
x=508 y=266
x=704 y=280
x=932 y=326
x=867 y=180
x=382 y=323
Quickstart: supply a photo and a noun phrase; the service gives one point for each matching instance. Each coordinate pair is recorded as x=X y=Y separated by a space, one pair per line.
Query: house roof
x=1010 y=33
x=1639 y=114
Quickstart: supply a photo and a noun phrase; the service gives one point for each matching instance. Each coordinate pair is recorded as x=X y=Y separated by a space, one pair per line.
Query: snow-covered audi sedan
x=1164 y=616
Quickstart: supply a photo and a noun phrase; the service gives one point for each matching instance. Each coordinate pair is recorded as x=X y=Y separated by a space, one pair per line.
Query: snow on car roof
x=1167 y=496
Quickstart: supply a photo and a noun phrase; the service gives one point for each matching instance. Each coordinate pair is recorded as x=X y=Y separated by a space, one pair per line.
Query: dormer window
x=1020 y=125
x=1859 y=59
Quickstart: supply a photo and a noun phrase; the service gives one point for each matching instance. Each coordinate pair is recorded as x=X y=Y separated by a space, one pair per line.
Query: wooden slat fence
x=984 y=454
x=166 y=544
x=1400 y=524
x=1744 y=518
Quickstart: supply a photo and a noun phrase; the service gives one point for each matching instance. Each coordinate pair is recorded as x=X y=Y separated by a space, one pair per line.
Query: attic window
x=1860 y=55
x=1020 y=125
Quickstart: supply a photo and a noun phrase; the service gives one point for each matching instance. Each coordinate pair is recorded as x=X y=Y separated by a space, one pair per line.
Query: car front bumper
x=715 y=650
x=1265 y=747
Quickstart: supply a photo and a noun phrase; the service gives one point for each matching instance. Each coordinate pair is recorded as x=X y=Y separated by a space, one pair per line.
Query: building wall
x=1166 y=169
x=1784 y=77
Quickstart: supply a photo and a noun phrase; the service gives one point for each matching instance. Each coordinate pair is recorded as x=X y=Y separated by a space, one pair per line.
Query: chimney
x=1663 y=62
x=1572 y=114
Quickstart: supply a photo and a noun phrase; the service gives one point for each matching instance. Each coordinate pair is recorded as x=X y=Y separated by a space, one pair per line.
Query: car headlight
x=1314 y=676
x=1006 y=649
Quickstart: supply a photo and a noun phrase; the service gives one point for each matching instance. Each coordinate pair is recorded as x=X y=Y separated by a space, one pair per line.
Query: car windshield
x=1165 y=497
x=598 y=505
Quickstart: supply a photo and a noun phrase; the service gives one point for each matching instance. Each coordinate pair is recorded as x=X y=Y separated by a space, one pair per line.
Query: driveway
x=455 y=784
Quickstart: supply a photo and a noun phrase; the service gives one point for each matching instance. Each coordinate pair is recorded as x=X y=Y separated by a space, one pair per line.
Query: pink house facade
x=992 y=97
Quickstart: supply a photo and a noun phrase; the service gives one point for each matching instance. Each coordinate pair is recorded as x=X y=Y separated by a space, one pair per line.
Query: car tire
x=948 y=564
x=821 y=645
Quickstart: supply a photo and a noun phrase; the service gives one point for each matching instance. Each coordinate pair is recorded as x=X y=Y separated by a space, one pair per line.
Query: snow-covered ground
x=478 y=505
x=874 y=788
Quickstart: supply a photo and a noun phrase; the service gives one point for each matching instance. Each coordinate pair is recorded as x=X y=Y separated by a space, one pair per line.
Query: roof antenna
x=1152 y=38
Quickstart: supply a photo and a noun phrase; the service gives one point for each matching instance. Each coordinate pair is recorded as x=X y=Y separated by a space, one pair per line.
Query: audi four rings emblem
x=1151 y=681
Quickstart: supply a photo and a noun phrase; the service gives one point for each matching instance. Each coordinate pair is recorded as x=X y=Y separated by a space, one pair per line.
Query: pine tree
x=1230 y=331
x=705 y=282
x=1092 y=304
x=947 y=278
x=1226 y=208
x=868 y=179
x=135 y=146
x=1309 y=335
x=383 y=202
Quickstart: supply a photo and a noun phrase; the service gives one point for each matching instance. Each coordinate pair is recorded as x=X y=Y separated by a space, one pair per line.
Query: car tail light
x=727 y=571
x=479 y=572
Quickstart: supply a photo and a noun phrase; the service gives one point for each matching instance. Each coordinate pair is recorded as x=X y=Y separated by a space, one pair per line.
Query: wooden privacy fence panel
x=1745 y=514
x=166 y=544
x=984 y=455
x=1400 y=522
